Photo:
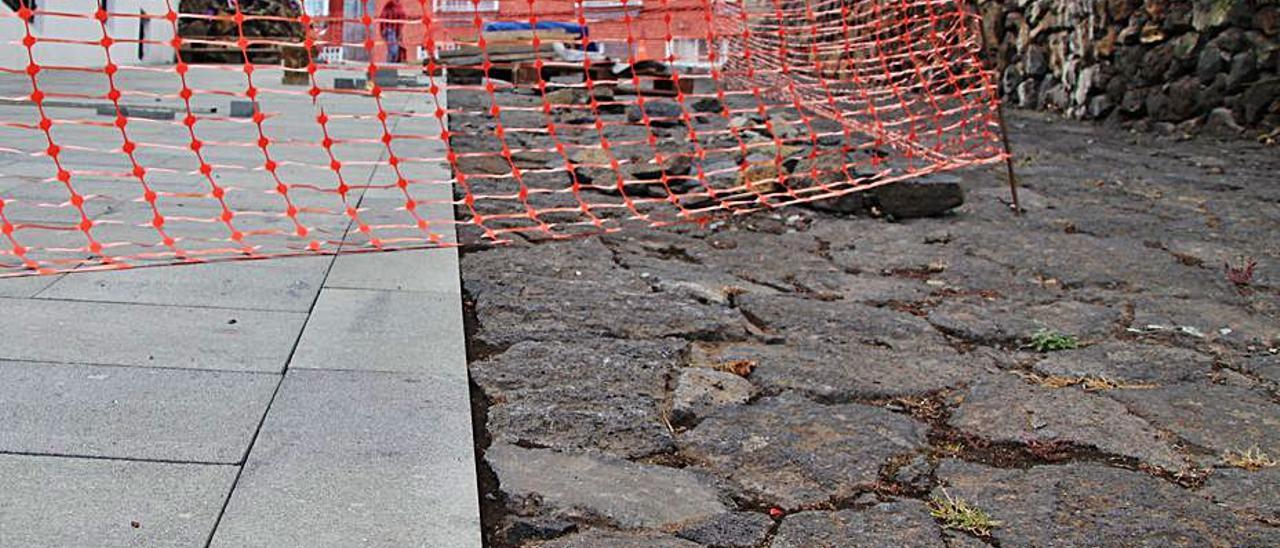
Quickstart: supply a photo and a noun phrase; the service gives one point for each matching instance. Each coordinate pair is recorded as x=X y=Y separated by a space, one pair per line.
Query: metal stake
x=1008 y=159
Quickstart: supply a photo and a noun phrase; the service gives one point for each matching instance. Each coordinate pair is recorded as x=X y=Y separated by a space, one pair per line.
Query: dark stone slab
x=1208 y=321
x=928 y=196
x=846 y=372
x=880 y=352
x=1081 y=261
x=597 y=538
x=1217 y=417
x=701 y=391
x=1013 y=323
x=518 y=530
x=1249 y=492
x=583 y=486
x=604 y=395
x=1128 y=362
x=731 y=530
x=661 y=113
x=567 y=292
x=793 y=453
x=1265 y=365
x=899 y=523
x=809 y=322
x=1003 y=408
x=1095 y=505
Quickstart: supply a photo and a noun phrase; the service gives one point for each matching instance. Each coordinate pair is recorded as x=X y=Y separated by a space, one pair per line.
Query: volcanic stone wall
x=1157 y=63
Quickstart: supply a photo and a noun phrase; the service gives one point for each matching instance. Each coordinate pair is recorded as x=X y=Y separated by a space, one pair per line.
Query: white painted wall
x=13 y=55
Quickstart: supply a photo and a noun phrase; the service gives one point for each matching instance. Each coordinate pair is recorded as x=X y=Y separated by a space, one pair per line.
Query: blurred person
x=391 y=28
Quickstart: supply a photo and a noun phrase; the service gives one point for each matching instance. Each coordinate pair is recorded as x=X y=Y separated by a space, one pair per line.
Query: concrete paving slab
x=82 y=503
x=429 y=270
x=381 y=455
x=145 y=335
x=261 y=285
x=359 y=459
x=25 y=286
x=400 y=331
x=131 y=412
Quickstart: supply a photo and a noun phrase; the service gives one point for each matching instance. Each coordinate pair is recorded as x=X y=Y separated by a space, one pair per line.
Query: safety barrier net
x=143 y=132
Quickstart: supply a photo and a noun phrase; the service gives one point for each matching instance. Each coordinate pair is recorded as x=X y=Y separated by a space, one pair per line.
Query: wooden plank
x=545 y=35
x=500 y=48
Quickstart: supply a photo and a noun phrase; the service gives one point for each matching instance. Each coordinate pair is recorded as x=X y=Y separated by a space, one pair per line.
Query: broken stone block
x=597 y=538
x=1089 y=504
x=1005 y=409
x=662 y=113
x=626 y=494
x=540 y=394
x=708 y=104
x=519 y=530
x=1254 y=492
x=791 y=452
x=731 y=530
x=899 y=523
x=566 y=96
x=700 y=392
x=922 y=197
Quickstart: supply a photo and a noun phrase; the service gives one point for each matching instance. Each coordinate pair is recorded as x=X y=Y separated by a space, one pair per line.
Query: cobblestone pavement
x=803 y=378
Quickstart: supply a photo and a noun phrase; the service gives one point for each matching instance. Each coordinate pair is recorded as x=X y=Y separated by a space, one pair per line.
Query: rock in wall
x=1172 y=63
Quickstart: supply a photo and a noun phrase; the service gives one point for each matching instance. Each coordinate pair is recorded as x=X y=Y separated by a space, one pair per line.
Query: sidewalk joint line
x=117 y=459
x=333 y=259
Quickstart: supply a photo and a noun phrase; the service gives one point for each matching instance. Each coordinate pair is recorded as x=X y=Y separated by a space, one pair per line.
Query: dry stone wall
x=1157 y=63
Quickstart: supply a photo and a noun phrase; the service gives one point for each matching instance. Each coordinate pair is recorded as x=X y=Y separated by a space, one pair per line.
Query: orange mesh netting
x=139 y=132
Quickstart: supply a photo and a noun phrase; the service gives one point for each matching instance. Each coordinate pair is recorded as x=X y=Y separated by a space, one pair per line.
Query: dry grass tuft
x=1088 y=383
x=1251 y=459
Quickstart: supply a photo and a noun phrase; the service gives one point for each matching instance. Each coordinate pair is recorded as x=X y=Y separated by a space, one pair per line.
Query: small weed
x=957 y=514
x=1241 y=276
x=1252 y=459
x=1048 y=340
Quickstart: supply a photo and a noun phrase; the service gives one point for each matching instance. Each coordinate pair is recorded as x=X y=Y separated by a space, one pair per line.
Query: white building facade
x=140 y=32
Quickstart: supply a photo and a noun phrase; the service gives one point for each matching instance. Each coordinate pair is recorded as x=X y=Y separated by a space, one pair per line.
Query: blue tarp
x=499 y=26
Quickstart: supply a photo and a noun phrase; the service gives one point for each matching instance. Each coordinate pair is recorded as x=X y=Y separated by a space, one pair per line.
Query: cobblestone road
x=809 y=379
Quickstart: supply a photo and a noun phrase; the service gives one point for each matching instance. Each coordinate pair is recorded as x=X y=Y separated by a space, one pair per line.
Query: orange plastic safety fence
x=141 y=132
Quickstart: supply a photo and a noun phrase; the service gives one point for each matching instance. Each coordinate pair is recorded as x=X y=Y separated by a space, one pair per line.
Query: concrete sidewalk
x=314 y=401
